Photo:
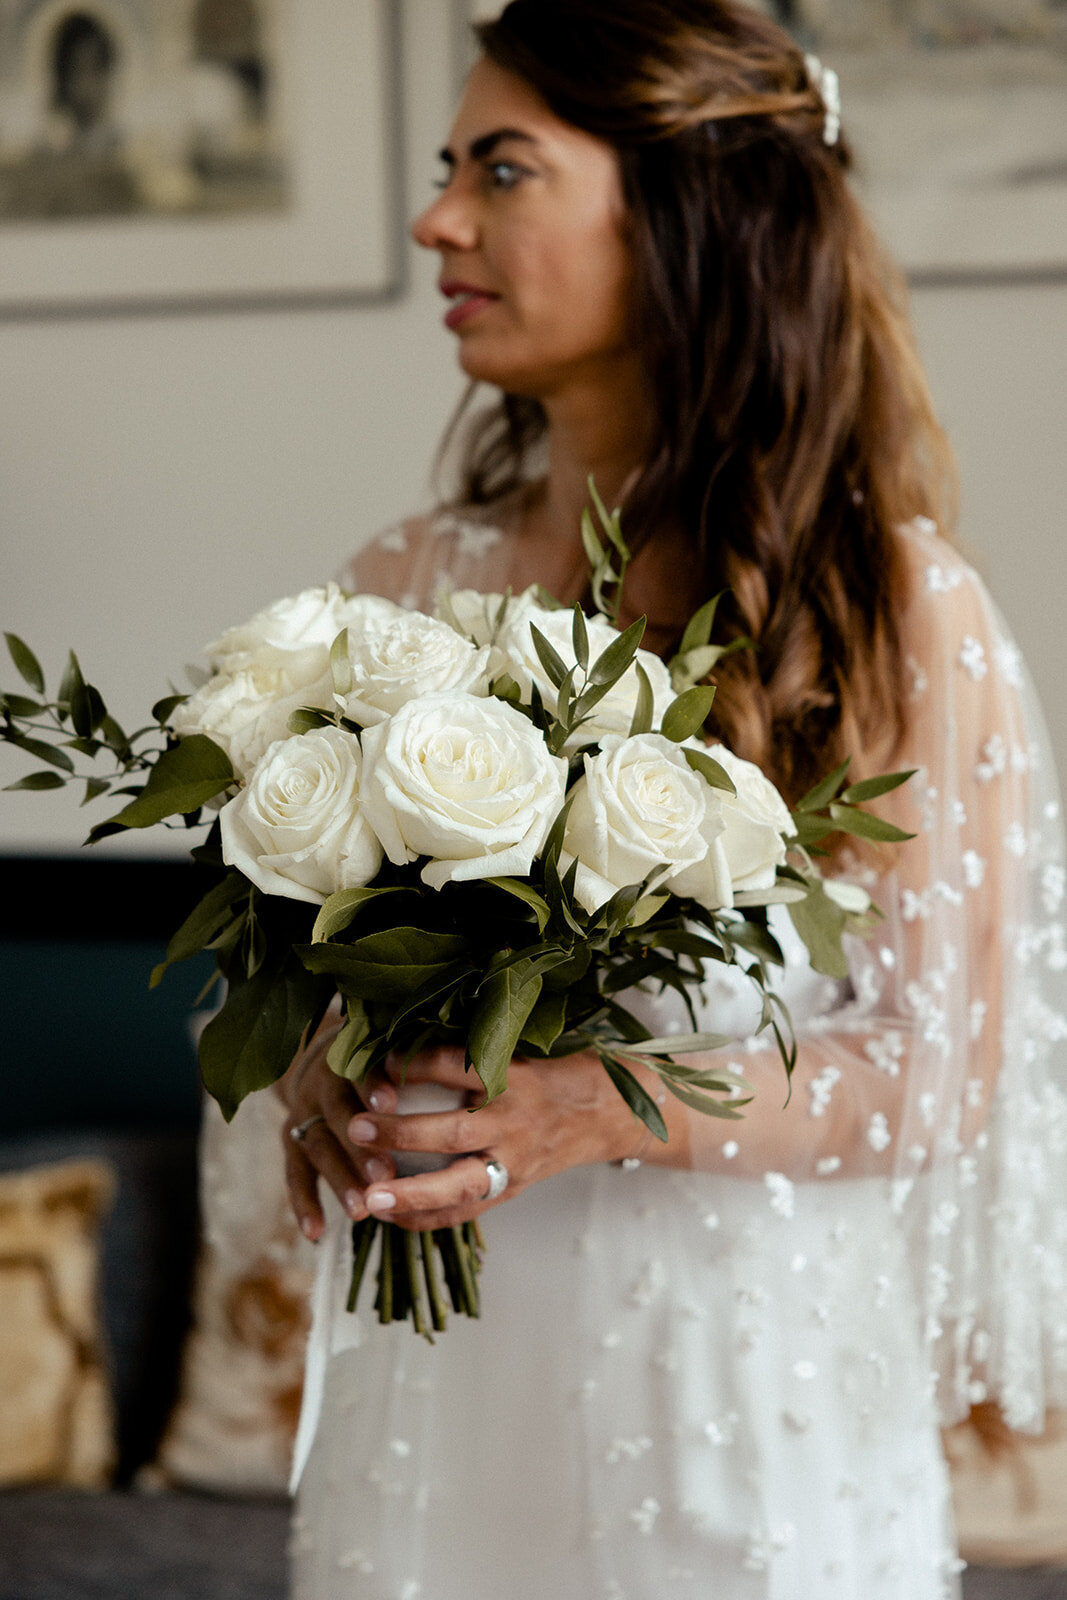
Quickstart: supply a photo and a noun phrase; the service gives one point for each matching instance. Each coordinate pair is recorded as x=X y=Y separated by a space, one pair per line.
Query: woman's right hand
x=311 y=1089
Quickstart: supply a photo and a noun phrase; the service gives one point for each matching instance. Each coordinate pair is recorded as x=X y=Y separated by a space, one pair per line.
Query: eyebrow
x=486 y=144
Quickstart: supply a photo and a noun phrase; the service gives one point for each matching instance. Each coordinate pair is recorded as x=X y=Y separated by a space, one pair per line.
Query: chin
x=514 y=377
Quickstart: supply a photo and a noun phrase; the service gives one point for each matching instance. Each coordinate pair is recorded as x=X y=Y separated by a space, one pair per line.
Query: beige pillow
x=233 y=1427
x=1010 y=1491
x=56 y=1416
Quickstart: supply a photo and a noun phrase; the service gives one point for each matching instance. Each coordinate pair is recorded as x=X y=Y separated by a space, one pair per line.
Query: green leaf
x=388 y=965
x=824 y=791
x=342 y=907
x=52 y=754
x=308 y=718
x=615 y=659
x=546 y=599
x=505 y=1002
x=204 y=923
x=94 y=788
x=20 y=705
x=636 y=1096
x=38 y=781
x=87 y=710
x=710 y=770
x=505 y=688
x=688 y=669
x=72 y=680
x=820 y=924
x=698 y=628
x=182 y=780
x=706 y=1104
x=866 y=826
x=115 y=738
x=872 y=788
x=163 y=709
x=546 y=1021
x=780 y=894
x=341 y=665
x=563 y=697
x=594 y=550
x=348 y=1053
x=609 y=520
x=553 y=663
x=29 y=668
x=645 y=706
x=528 y=895
x=680 y=1044
x=580 y=637
x=687 y=714
x=255 y=1036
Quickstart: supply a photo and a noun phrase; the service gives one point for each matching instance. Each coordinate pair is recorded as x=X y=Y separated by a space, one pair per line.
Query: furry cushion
x=56 y=1420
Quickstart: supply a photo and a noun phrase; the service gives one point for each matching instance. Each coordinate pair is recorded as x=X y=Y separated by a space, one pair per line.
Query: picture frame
x=956 y=112
x=336 y=239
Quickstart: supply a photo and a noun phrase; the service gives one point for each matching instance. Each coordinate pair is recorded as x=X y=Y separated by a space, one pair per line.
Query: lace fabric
x=732 y=1373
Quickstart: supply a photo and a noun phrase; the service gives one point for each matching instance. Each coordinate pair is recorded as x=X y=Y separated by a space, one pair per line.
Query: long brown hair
x=793 y=426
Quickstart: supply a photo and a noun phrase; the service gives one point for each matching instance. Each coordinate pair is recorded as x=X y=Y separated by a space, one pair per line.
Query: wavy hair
x=794 y=430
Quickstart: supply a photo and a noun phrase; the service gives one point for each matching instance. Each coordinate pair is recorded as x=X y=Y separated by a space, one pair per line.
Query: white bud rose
x=475 y=614
x=410 y=655
x=641 y=806
x=756 y=821
x=298 y=829
x=247 y=710
x=466 y=781
x=615 y=712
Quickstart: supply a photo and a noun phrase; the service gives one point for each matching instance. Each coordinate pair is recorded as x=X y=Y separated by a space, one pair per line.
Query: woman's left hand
x=552 y=1115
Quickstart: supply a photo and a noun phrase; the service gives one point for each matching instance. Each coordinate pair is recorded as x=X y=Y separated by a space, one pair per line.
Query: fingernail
x=309 y=1227
x=381 y=1200
x=362 y=1131
x=380 y=1100
x=354 y=1204
x=375 y=1169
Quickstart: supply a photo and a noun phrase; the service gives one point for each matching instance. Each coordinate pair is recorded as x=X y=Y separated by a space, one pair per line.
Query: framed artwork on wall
x=220 y=153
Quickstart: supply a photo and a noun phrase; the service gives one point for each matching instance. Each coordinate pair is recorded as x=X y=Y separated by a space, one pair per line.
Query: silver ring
x=498 y=1179
x=300 y=1132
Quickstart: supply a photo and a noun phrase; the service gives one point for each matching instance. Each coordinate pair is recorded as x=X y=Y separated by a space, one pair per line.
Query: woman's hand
x=553 y=1115
x=310 y=1089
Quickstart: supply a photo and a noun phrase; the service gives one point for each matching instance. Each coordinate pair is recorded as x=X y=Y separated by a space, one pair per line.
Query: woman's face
x=531 y=230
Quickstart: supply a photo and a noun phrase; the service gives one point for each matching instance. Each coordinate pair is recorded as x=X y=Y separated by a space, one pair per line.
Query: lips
x=468 y=299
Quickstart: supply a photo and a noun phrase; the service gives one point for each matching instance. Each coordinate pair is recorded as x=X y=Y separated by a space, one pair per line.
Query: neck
x=599 y=430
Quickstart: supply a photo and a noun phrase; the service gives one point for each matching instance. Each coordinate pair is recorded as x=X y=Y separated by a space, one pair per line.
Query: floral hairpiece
x=826 y=83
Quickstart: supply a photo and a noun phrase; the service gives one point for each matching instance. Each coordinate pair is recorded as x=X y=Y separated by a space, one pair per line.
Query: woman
x=721 y=1373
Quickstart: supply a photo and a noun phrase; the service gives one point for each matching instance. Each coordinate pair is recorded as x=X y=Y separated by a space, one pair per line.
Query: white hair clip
x=825 y=81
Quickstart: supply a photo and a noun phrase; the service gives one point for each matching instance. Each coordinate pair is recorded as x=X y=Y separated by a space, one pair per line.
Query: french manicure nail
x=376 y=1169
x=354 y=1204
x=362 y=1131
x=310 y=1229
x=379 y=1100
x=381 y=1201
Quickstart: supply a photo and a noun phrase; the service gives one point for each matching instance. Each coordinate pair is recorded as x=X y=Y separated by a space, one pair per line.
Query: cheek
x=570 y=286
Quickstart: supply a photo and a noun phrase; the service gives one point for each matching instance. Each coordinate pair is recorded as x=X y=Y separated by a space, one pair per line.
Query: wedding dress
x=726 y=1382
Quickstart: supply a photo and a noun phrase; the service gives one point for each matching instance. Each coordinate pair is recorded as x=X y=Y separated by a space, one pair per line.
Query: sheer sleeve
x=940 y=1069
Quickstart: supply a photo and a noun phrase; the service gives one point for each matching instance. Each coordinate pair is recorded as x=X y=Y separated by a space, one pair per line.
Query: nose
x=449 y=223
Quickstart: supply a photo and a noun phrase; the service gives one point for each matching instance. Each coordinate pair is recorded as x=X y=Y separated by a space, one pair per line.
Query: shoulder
x=951 y=624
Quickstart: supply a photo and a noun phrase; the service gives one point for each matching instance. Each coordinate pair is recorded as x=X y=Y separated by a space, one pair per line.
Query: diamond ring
x=300 y=1132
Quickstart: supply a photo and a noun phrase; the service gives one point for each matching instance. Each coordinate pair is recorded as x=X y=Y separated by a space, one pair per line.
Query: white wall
x=160 y=478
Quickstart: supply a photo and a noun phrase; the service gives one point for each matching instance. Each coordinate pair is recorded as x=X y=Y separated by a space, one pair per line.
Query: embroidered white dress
x=725 y=1383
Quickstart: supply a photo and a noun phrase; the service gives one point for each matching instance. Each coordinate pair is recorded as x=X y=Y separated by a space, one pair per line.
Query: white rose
x=409 y=656
x=246 y=710
x=640 y=806
x=293 y=634
x=615 y=712
x=468 y=782
x=474 y=614
x=756 y=821
x=298 y=828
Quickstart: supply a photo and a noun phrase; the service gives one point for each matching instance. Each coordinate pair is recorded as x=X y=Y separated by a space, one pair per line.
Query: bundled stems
x=409 y=1281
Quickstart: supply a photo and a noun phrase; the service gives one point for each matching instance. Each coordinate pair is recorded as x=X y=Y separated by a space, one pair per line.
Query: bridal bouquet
x=481 y=827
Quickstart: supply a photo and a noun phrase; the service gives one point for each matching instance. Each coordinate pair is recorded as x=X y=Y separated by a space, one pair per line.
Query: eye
x=505 y=174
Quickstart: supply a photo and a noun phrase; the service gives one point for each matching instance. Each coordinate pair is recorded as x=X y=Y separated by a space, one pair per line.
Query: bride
x=714 y=1367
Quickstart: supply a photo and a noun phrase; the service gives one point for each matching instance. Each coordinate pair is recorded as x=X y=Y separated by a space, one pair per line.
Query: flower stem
x=362 y=1239
x=433 y=1286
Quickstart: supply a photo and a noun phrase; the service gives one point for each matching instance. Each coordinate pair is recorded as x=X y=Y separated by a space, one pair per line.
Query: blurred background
x=221 y=370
